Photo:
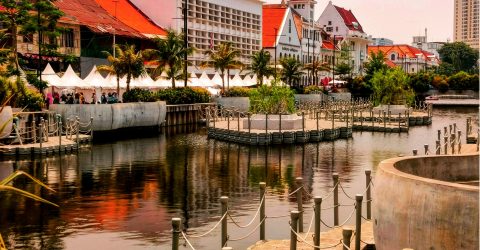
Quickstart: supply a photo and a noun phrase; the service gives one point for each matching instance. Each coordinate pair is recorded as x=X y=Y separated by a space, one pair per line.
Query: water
x=122 y=195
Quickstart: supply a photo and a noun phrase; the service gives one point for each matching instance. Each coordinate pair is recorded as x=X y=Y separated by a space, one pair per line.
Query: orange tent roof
x=126 y=12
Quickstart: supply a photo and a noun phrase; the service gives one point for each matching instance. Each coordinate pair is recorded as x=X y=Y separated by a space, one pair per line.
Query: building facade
x=466 y=22
x=421 y=42
x=380 y=41
x=410 y=59
x=211 y=22
x=342 y=24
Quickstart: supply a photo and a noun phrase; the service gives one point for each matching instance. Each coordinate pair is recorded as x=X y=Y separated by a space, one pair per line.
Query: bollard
x=294 y=226
x=452 y=141
x=426 y=149
x=361 y=119
x=437 y=147
x=266 y=128
x=454 y=128
x=415 y=152
x=335 y=199
x=347 y=235
x=450 y=129
x=358 y=220
x=176 y=227
x=318 y=217
x=228 y=122
x=91 y=129
x=262 y=210
x=384 y=120
x=299 y=182
x=249 y=123
x=224 y=204
x=445 y=141
x=368 y=179
x=399 y=119
x=317 y=121
x=78 y=131
x=333 y=120
x=34 y=132
x=238 y=121
x=459 y=141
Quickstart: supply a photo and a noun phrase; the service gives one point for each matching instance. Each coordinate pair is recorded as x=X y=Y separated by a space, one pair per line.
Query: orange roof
x=131 y=16
x=327 y=45
x=298 y=24
x=403 y=51
x=390 y=64
x=273 y=15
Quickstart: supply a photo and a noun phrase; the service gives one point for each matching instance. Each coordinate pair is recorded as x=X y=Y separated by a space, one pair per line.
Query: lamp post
x=185 y=42
x=114 y=30
x=275 y=43
x=333 y=62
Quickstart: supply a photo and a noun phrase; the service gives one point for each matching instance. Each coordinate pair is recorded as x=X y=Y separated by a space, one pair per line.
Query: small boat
x=432 y=97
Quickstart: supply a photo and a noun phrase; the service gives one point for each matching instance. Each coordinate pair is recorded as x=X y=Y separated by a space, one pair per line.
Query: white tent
x=336 y=82
x=213 y=91
x=254 y=78
x=71 y=80
x=111 y=82
x=248 y=81
x=94 y=78
x=193 y=80
x=236 y=81
x=144 y=81
x=204 y=81
x=217 y=80
x=50 y=76
x=162 y=83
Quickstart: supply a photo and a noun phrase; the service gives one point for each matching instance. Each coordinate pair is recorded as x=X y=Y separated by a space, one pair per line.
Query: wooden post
x=459 y=141
x=452 y=141
x=238 y=121
x=438 y=135
x=294 y=225
x=384 y=120
x=317 y=121
x=228 y=122
x=176 y=230
x=224 y=205
x=78 y=131
x=426 y=149
x=60 y=137
x=368 y=179
x=262 y=210
x=415 y=152
x=318 y=217
x=437 y=147
x=299 y=182
x=347 y=235
x=358 y=220
x=40 y=134
x=249 y=123
x=335 y=199
x=445 y=141
x=303 y=129
x=34 y=131
x=280 y=123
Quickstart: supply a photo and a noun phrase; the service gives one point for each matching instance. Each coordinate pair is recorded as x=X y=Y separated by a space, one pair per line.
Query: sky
x=399 y=20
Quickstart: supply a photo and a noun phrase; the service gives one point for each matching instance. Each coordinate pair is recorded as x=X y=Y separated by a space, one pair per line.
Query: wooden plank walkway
x=47 y=147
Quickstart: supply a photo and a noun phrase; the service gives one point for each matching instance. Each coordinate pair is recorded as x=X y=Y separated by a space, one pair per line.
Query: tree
x=315 y=67
x=260 y=65
x=343 y=67
x=224 y=58
x=391 y=87
x=113 y=67
x=461 y=56
x=291 y=70
x=169 y=54
x=375 y=63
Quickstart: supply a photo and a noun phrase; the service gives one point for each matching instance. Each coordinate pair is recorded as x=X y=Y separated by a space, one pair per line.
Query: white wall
x=331 y=14
x=161 y=12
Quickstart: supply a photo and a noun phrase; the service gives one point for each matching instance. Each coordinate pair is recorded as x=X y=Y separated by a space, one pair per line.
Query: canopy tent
x=94 y=78
x=144 y=81
x=213 y=91
x=204 y=80
x=111 y=82
x=71 y=80
x=162 y=83
x=254 y=78
x=248 y=81
x=236 y=81
x=51 y=77
x=217 y=80
x=193 y=80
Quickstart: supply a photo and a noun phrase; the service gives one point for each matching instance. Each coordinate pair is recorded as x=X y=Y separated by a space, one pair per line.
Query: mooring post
x=333 y=120
x=452 y=140
x=459 y=141
x=262 y=210
x=361 y=119
x=303 y=122
x=249 y=123
x=368 y=180
x=266 y=128
x=34 y=131
x=294 y=229
x=176 y=230
x=299 y=182
x=78 y=131
x=415 y=152
x=335 y=199
x=454 y=128
x=318 y=218
x=317 y=121
x=408 y=119
x=437 y=147
x=426 y=149
x=224 y=205
x=238 y=121
x=60 y=137
x=347 y=235
x=228 y=121
x=445 y=142
x=358 y=220
x=384 y=120
x=280 y=123
x=438 y=135
x=399 y=119
x=215 y=116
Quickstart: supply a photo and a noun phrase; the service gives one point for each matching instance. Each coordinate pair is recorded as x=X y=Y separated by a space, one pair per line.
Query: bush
x=312 y=89
x=185 y=95
x=272 y=100
x=420 y=82
x=391 y=87
x=139 y=95
x=29 y=100
x=237 y=92
x=443 y=86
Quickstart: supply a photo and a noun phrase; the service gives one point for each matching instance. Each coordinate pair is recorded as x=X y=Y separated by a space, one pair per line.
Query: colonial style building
x=344 y=26
x=409 y=58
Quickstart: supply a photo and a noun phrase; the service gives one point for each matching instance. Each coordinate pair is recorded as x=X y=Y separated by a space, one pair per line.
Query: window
x=289 y=25
x=68 y=38
x=329 y=22
x=336 y=28
x=280 y=55
x=392 y=57
x=329 y=29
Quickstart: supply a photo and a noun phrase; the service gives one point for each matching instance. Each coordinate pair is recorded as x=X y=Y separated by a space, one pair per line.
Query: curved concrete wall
x=115 y=116
x=417 y=204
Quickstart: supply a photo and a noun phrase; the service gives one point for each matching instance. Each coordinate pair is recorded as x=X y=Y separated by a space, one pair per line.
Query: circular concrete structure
x=423 y=203
x=288 y=122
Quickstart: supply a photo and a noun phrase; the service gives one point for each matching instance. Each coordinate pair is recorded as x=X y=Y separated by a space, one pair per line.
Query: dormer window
x=392 y=57
x=329 y=22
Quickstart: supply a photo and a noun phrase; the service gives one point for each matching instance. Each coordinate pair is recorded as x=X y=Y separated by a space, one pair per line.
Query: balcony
x=353 y=34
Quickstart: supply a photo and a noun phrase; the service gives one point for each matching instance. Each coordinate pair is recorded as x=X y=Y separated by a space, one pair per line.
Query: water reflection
x=124 y=194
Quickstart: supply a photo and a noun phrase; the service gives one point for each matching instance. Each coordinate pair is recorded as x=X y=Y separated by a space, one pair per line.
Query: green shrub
x=312 y=89
x=272 y=100
x=39 y=85
x=237 y=92
x=443 y=86
x=139 y=95
x=29 y=100
x=185 y=95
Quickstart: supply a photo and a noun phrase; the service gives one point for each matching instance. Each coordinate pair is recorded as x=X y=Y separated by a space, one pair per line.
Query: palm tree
x=169 y=54
x=224 y=58
x=291 y=70
x=114 y=67
x=315 y=67
x=131 y=62
x=260 y=65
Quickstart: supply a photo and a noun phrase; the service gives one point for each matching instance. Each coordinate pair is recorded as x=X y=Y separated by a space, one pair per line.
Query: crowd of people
x=79 y=98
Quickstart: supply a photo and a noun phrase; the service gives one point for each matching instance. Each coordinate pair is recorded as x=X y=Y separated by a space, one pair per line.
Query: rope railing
x=252 y=220
x=209 y=231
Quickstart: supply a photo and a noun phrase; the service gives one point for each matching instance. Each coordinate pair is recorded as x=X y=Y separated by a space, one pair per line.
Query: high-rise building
x=211 y=22
x=466 y=21
x=381 y=41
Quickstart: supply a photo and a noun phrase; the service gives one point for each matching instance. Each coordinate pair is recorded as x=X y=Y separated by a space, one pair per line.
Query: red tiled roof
x=349 y=18
x=131 y=16
x=298 y=24
x=403 y=51
x=390 y=64
x=273 y=15
x=327 y=45
x=98 y=20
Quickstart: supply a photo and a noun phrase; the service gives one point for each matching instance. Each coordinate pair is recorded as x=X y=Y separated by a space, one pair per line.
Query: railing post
x=358 y=220
x=238 y=122
x=60 y=128
x=438 y=135
x=299 y=182
x=452 y=141
x=224 y=204
x=384 y=120
x=317 y=120
x=445 y=141
x=415 y=152
x=347 y=235
x=280 y=123
x=426 y=149
x=437 y=147
x=318 y=218
x=34 y=131
x=335 y=199
x=40 y=134
x=368 y=179
x=262 y=210
x=78 y=131
x=459 y=138
x=228 y=121
x=294 y=226
x=176 y=230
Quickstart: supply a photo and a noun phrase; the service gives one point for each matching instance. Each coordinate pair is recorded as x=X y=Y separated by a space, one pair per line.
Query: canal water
x=123 y=194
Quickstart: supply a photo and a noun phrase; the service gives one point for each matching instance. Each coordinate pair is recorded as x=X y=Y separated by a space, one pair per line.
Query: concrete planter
x=419 y=204
x=288 y=122
x=240 y=103
x=6 y=117
x=310 y=98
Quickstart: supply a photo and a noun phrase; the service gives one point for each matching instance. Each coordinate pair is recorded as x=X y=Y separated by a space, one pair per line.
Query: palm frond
x=16 y=174
x=26 y=194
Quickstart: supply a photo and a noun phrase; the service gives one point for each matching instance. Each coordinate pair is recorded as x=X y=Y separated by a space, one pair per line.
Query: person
x=94 y=98
x=70 y=99
x=48 y=100
x=56 y=98
x=77 y=99
x=103 y=98
x=64 y=98
x=82 y=98
x=110 y=98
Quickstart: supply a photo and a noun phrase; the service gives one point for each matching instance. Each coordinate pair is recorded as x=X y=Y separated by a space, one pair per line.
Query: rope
x=311 y=245
x=347 y=247
x=290 y=194
x=255 y=216
x=186 y=240
x=366 y=218
x=309 y=227
x=278 y=216
x=209 y=231
x=253 y=231
x=342 y=224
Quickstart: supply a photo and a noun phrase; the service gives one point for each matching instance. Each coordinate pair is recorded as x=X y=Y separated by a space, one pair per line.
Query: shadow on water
x=122 y=194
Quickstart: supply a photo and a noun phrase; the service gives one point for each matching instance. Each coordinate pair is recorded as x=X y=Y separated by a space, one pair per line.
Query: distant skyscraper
x=466 y=17
x=379 y=41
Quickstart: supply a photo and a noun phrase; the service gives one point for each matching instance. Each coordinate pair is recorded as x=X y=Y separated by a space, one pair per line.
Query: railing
x=296 y=223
